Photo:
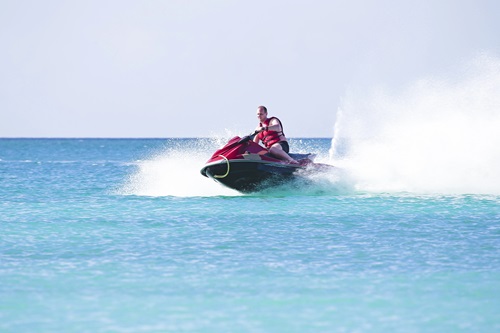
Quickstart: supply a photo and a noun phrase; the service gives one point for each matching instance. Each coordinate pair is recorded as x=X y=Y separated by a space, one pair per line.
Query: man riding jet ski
x=242 y=164
x=272 y=136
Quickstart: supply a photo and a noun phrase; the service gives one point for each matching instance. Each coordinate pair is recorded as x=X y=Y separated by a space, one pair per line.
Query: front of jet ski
x=249 y=175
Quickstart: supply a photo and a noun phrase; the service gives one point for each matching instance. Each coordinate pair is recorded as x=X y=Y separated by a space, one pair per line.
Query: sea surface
x=125 y=235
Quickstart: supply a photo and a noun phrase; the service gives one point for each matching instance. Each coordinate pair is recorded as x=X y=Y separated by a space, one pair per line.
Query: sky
x=200 y=68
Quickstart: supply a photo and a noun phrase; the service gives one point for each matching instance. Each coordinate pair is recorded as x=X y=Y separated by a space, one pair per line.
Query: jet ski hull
x=249 y=176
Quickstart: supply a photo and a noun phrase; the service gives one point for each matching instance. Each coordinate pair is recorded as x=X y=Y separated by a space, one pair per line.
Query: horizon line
x=124 y=138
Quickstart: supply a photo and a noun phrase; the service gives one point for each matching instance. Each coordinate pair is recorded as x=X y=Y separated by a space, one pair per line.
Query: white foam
x=175 y=172
x=438 y=135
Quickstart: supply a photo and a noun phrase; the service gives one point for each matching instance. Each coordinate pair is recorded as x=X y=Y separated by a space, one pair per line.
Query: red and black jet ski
x=246 y=166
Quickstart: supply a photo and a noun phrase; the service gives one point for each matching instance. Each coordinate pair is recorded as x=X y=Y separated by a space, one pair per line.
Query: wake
x=437 y=136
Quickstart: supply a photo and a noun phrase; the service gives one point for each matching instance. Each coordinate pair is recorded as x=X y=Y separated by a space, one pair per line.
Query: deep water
x=125 y=235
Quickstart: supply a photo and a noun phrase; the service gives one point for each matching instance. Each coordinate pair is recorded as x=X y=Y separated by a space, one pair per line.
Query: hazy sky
x=181 y=68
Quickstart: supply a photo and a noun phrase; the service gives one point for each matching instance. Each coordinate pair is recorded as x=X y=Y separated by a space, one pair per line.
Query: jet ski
x=246 y=166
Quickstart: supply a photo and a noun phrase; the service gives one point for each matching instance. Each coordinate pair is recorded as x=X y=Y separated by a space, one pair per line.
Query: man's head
x=262 y=113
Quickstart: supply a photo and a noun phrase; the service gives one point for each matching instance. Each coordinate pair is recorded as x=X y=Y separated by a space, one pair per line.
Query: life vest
x=269 y=138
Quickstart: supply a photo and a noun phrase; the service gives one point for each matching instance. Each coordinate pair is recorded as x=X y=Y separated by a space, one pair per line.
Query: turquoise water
x=127 y=236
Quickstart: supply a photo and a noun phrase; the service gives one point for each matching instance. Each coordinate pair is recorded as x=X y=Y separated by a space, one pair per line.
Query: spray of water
x=176 y=172
x=436 y=136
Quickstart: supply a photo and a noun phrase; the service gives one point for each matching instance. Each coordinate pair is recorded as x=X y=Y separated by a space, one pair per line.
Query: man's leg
x=278 y=151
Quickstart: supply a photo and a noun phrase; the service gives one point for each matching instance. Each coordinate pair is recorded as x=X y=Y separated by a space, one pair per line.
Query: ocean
x=125 y=235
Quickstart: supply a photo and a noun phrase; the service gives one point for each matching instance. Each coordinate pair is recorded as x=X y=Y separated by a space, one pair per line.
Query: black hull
x=250 y=176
